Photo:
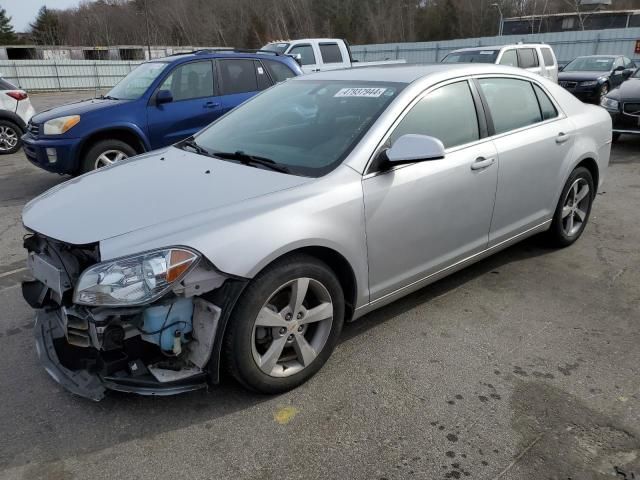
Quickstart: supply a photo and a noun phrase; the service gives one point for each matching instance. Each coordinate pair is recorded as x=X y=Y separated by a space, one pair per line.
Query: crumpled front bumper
x=92 y=385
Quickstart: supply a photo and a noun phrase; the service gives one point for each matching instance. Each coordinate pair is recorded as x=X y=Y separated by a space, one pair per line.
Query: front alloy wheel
x=109 y=158
x=284 y=325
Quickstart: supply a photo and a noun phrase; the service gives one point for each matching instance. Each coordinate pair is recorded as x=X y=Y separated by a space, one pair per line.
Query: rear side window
x=4 y=85
x=306 y=52
x=512 y=103
x=527 y=58
x=278 y=70
x=547 y=56
x=448 y=114
x=330 y=53
x=510 y=58
x=237 y=76
x=261 y=76
x=547 y=108
x=191 y=80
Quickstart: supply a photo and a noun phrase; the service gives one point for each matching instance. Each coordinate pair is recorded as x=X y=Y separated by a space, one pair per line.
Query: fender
x=13 y=117
x=128 y=126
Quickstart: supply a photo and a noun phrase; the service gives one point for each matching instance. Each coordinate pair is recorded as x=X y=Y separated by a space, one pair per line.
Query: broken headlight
x=133 y=280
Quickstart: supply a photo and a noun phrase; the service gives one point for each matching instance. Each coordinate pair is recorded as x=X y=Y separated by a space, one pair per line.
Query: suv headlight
x=590 y=83
x=610 y=103
x=58 y=126
x=133 y=280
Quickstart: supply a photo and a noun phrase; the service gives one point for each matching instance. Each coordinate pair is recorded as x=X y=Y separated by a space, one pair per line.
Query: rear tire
x=10 y=141
x=285 y=325
x=105 y=153
x=573 y=209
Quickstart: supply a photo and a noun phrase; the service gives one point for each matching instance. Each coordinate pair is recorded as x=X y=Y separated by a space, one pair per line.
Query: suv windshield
x=276 y=47
x=305 y=127
x=472 y=56
x=589 y=64
x=136 y=83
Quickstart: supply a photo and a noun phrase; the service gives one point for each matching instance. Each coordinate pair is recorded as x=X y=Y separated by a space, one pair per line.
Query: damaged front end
x=149 y=324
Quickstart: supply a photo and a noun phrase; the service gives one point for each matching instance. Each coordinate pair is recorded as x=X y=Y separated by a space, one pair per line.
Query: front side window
x=512 y=103
x=472 y=56
x=278 y=70
x=510 y=58
x=134 y=85
x=448 y=114
x=330 y=53
x=261 y=75
x=306 y=126
x=527 y=58
x=306 y=52
x=237 y=76
x=618 y=63
x=547 y=56
x=189 y=81
x=628 y=63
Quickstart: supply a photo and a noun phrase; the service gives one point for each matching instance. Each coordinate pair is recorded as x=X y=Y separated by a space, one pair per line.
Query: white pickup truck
x=320 y=54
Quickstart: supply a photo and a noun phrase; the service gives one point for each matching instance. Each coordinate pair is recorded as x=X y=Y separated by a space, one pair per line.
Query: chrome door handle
x=481 y=163
x=562 y=137
x=211 y=105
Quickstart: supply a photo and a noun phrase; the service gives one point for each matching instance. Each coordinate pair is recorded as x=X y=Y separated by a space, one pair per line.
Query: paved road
x=524 y=366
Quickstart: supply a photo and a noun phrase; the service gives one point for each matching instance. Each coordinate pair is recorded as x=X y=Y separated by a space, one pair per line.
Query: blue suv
x=157 y=104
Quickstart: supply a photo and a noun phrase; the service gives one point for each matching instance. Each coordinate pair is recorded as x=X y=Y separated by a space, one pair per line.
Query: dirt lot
x=524 y=366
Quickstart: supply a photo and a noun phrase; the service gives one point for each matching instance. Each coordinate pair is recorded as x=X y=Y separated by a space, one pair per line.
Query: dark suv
x=159 y=103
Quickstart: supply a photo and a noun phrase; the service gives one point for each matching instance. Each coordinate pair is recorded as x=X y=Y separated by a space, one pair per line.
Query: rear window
x=330 y=53
x=278 y=70
x=237 y=76
x=472 y=56
x=547 y=56
x=527 y=58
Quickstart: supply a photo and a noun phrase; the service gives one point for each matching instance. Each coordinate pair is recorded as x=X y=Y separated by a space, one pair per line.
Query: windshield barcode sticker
x=360 y=92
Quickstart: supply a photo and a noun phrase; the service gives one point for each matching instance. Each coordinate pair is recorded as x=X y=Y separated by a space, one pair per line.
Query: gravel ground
x=523 y=366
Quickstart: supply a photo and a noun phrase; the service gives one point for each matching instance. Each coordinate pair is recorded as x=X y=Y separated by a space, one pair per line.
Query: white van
x=321 y=54
x=535 y=57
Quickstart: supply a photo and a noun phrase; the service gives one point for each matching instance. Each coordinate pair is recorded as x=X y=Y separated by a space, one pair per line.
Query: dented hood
x=145 y=191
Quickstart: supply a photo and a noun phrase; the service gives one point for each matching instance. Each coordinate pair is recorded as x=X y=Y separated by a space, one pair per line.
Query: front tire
x=573 y=209
x=10 y=134
x=285 y=325
x=105 y=153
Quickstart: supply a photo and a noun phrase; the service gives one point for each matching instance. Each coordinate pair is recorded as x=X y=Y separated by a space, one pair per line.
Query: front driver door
x=194 y=104
x=425 y=216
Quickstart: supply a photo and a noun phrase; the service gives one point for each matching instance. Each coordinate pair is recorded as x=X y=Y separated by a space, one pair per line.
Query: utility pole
x=146 y=21
x=500 y=25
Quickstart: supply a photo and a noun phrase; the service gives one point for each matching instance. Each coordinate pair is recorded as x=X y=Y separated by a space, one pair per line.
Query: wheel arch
x=590 y=164
x=13 y=118
x=126 y=134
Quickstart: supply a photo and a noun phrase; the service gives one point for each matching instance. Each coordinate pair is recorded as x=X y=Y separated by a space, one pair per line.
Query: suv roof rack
x=205 y=51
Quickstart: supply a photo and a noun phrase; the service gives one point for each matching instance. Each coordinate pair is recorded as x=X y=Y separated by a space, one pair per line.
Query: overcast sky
x=23 y=12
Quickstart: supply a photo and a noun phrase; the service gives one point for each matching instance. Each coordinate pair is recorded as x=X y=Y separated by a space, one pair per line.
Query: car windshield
x=137 y=82
x=472 y=56
x=589 y=64
x=305 y=127
x=276 y=47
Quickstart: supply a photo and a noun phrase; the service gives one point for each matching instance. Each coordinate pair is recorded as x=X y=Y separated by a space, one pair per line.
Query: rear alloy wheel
x=9 y=137
x=105 y=153
x=285 y=325
x=574 y=208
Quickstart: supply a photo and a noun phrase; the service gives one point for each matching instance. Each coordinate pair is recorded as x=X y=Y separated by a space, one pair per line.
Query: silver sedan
x=247 y=246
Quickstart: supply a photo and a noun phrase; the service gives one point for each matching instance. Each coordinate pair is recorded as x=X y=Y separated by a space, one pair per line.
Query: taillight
x=17 y=94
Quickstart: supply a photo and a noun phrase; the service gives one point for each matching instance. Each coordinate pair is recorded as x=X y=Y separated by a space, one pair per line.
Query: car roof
x=224 y=53
x=499 y=47
x=599 y=56
x=408 y=73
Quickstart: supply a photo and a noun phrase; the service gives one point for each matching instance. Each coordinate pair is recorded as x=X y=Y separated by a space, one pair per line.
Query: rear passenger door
x=194 y=104
x=550 y=68
x=528 y=59
x=239 y=80
x=533 y=140
x=332 y=58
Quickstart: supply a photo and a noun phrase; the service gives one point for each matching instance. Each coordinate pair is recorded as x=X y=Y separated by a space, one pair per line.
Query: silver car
x=247 y=246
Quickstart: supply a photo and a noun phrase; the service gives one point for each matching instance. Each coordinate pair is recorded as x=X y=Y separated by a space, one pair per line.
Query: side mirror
x=415 y=148
x=627 y=72
x=619 y=68
x=297 y=57
x=164 y=96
